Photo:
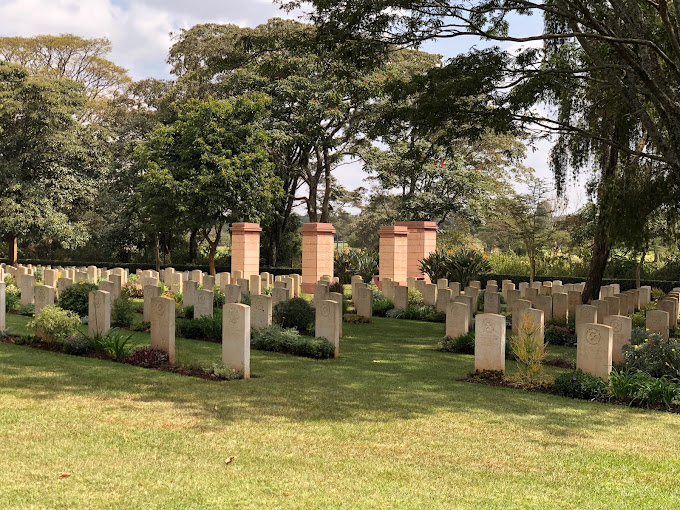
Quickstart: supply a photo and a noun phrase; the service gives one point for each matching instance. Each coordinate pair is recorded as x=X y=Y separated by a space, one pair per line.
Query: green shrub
x=655 y=356
x=55 y=324
x=218 y=298
x=657 y=294
x=132 y=290
x=205 y=328
x=381 y=307
x=559 y=335
x=122 y=312
x=76 y=298
x=294 y=313
x=27 y=310
x=76 y=345
x=415 y=298
x=114 y=344
x=12 y=299
x=353 y=318
x=147 y=357
x=418 y=313
x=337 y=287
x=38 y=274
x=288 y=341
x=142 y=327
x=463 y=344
x=578 y=384
x=460 y=266
x=638 y=335
x=245 y=299
x=223 y=372
x=639 y=320
x=10 y=280
x=624 y=384
x=184 y=312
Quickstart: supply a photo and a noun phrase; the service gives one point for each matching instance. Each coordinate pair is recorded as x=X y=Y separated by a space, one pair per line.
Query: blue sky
x=140 y=33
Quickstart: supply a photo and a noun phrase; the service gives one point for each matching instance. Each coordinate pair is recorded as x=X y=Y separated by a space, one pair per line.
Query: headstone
x=364 y=302
x=197 y=276
x=209 y=283
x=473 y=292
x=621 y=330
x=327 y=325
x=400 y=297
x=476 y=284
x=280 y=294
x=492 y=302
x=204 y=304
x=602 y=310
x=511 y=295
x=442 y=283
x=43 y=296
x=92 y=274
x=388 y=289
x=613 y=304
x=63 y=284
x=517 y=308
x=260 y=311
x=321 y=291
x=99 y=313
x=657 y=322
x=430 y=294
x=232 y=294
x=531 y=294
x=236 y=337
x=575 y=300
x=490 y=342
x=420 y=286
x=26 y=283
x=623 y=304
x=444 y=296
x=50 y=277
x=523 y=286
x=117 y=281
x=594 y=349
x=668 y=305
x=245 y=286
x=337 y=297
x=506 y=285
x=163 y=326
x=411 y=282
x=457 y=319
x=255 y=285
x=463 y=298
x=455 y=288
x=491 y=286
x=545 y=304
x=585 y=314
x=645 y=295
x=190 y=293
x=3 y=305
x=354 y=281
x=150 y=292
x=533 y=320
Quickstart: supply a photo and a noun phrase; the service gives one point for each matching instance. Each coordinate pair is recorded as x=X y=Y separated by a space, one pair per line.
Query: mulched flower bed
x=165 y=366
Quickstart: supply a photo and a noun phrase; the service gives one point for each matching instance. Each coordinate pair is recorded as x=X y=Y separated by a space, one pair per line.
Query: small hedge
x=463 y=344
x=294 y=313
x=381 y=307
x=205 y=328
x=578 y=384
x=288 y=341
x=77 y=298
x=418 y=313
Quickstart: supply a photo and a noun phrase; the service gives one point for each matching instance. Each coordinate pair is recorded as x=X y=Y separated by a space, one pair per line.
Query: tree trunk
x=213 y=248
x=12 y=249
x=638 y=269
x=193 y=245
x=532 y=269
x=326 y=205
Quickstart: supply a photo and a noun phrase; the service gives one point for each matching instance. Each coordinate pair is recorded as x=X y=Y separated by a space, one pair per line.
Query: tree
x=51 y=164
x=209 y=168
x=528 y=218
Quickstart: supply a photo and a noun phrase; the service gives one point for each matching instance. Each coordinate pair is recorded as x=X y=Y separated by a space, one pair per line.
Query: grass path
x=386 y=425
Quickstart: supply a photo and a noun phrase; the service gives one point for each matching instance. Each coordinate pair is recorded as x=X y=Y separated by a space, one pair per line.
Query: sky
x=140 y=32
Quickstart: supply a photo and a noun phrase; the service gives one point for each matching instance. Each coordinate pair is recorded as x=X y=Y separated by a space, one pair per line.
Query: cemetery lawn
x=387 y=425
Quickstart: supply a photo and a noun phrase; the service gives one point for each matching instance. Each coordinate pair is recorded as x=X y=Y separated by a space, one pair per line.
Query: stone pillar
x=394 y=253
x=422 y=240
x=490 y=342
x=163 y=326
x=236 y=337
x=317 y=253
x=594 y=349
x=260 y=311
x=327 y=325
x=245 y=249
x=99 y=313
x=150 y=292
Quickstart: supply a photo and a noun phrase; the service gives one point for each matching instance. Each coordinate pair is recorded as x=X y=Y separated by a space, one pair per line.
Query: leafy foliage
x=276 y=339
x=294 y=313
x=76 y=298
x=463 y=344
x=459 y=266
x=578 y=384
x=654 y=356
x=147 y=357
x=122 y=312
x=55 y=323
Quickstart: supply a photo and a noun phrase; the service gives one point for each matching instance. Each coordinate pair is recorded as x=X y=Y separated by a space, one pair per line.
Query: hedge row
x=133 y=266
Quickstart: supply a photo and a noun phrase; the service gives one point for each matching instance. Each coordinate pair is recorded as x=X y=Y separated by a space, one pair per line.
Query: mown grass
x=388 y=424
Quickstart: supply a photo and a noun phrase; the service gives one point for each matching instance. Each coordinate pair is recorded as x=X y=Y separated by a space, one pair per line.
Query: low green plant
x=639 y=319
x=294 y=313
x=27 y=310
x=654 y=356
x=417 y=313
x=12 y=299
x=415 y=298
x=115 y=344
x=640 y=388
x=223 y=372
x=578 y=384
x=277 y=339
x=218 y=298
x=76 y=298
x=559 y=335
x=76 y=345
x=381 y=307
x=55 y=324
x=122 y=312
x=463 y=344
x=147 y=357
x=245 y=299
x=142 y=327
x=353 y=318
x=10 y=280
x=657 y=294
x=529 y=352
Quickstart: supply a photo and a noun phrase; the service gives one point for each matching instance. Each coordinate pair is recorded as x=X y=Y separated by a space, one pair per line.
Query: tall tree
x=209 y=168
x=51 y=164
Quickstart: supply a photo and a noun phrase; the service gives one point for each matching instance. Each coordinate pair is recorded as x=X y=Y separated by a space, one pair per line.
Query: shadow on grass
x=388 y=370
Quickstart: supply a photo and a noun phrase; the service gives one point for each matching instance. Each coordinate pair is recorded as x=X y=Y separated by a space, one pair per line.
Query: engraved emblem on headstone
x=593 y=336
x=233 y=316
x=488 y=326
x=616 y=325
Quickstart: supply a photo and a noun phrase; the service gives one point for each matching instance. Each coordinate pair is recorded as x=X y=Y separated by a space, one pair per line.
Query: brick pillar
x=422 y=240
x=245 y=248
x=393 y=253
x=317 y=253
